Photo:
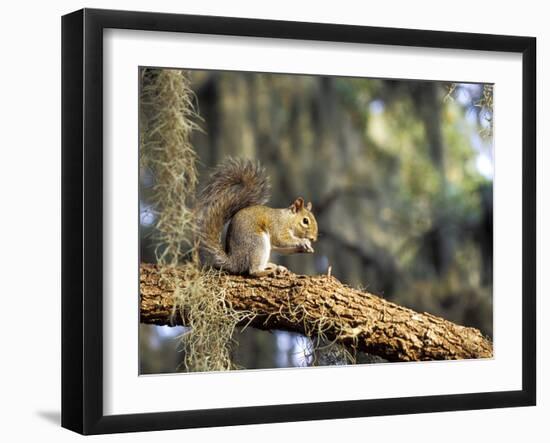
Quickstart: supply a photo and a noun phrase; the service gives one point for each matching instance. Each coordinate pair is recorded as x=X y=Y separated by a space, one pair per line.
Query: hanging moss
x=167 y=119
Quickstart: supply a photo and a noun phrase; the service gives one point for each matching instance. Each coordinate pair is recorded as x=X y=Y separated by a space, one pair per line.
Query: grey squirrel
x=236 y=193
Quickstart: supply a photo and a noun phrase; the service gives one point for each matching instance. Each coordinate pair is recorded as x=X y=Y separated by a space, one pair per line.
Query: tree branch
x=304 y=304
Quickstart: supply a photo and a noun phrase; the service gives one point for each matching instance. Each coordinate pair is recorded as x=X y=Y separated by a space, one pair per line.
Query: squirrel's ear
x=309 y=206
x=297 y=205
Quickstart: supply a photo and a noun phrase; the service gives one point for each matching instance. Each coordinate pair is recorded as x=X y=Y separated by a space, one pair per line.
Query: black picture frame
x=82 y=218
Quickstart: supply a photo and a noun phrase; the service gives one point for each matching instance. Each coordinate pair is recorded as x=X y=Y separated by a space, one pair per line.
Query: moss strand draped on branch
x=167 y=119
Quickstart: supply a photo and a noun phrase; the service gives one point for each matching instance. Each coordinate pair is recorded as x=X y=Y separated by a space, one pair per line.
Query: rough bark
x=354 y=318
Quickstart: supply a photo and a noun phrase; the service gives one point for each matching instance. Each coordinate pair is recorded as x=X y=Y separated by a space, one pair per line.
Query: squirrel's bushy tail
x=233 y=185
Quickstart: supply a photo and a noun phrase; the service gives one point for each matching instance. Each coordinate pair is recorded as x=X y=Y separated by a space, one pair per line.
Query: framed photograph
x=269 y=221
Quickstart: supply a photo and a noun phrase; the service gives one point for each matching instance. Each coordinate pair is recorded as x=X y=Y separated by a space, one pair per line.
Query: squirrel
x=236 y=193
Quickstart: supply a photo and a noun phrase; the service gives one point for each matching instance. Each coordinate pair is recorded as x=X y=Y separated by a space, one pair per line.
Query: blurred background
x=400 y=174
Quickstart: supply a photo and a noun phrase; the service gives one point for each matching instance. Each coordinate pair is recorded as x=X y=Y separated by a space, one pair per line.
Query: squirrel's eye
x=305 y=221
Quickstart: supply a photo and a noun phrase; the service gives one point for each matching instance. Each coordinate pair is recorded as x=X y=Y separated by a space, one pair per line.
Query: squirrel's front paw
x=306 y=247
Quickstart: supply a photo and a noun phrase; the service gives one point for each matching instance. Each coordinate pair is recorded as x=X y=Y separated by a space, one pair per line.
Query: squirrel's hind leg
x=259 y=260
x=270 y=269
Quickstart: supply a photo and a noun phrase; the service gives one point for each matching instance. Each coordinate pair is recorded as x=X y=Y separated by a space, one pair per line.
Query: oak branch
x=303 y=304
